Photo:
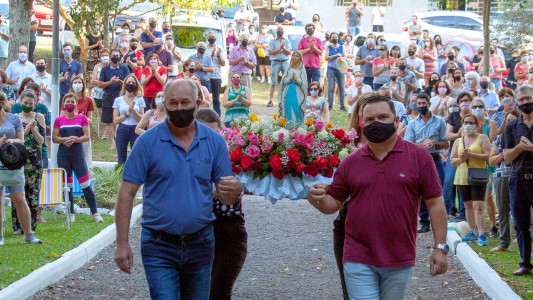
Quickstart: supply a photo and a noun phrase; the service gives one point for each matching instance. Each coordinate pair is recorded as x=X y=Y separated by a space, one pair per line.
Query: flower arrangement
x=286 y=150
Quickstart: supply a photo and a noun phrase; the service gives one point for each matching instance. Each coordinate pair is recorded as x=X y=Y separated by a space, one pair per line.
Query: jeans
x=501 y=188
x=368 y=81
x=148 y=102
x=178 y=266
x=125 y=134
x=44 y=153
x=313 y=74
x=377 y=28
x=207 y=84
x=367 y=282
x=332 y=75
x=216 y=83
x=376 y=86
x=521 y=194
x=424 y=213
x=449 y=190
x=231 y=247
x=354 y=30
x=339 y=234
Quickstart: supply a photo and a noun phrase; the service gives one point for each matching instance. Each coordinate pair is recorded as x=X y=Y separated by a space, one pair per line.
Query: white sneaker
x=97 y=218
x=258 y=78
x=269 y=81
x=263 y=79
x=72 y=218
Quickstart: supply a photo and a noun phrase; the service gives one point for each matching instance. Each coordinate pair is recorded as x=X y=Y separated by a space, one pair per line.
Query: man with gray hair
x=178 y=161
x=204 y=65
x=164 y=56
x=279 y=52
x=471 y=82
x=518 y=149
x=242 y=61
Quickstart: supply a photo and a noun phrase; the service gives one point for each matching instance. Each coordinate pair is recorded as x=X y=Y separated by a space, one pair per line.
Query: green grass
x=505 y=263
x=19 y=259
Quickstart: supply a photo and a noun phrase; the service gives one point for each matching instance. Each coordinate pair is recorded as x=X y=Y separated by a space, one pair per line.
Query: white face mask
x=442 y=91
x=105 y=59
x=465 y=106
x=125 y=30
x=469 y=129
x=77 y=87
x=428 y=44
x=507 y=101
x=124 y=45
x=453 y=109
x=159 y=101
x=478 y=112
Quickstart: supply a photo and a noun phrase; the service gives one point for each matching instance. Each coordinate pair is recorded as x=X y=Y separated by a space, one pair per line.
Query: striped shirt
x=70 y=127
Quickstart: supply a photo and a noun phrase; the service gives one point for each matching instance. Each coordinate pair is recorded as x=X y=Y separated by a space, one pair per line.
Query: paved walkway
x=290 y=256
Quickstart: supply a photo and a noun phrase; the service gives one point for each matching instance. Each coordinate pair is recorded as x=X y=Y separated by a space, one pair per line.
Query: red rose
x=275 y=162
x=257 y=165
x=311 y=169
x=278 y=173
x=328 y=172
x=236 y=155
x=338 y=133
x=322 y=162
x=293 y=155
x=334 y=160
x=299 y=167
x=235 y=168
x=346 y=140
x=291 y=165
x=246 y=163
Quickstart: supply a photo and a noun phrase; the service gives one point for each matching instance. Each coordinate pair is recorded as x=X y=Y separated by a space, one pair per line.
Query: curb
x=104 y=164
x=68 y=262
x=483 y=275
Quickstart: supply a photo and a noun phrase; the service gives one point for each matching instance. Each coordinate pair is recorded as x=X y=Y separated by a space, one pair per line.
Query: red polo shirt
x=311 y=59
x=383 y=203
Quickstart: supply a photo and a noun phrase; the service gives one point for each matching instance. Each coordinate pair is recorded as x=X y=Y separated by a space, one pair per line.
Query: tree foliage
x=513 y=26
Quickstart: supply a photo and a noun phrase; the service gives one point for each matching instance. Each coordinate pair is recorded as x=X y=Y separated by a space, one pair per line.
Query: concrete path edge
x=67 y=263
x=483 y=275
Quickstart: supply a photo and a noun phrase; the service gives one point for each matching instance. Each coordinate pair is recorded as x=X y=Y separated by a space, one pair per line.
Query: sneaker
x=499 y=249
x=470 y=237
x=72 y=218
x=263 y=80
x=32 y=239
x=1 y=240
x=17 y=232
x=269 y=81
x=97 y=218
x=482 y=240
x=494 y=232
x=343 y=108
x=258 y=78
x=270 y=104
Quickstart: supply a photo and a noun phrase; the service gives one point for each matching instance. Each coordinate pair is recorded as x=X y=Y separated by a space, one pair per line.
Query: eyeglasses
x=524 y=98
x=478 y=106
x=469 y=123
x=382 y=49
x=382 y=40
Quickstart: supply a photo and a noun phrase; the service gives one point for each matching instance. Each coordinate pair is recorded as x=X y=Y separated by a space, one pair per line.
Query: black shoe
x=330 y=107
x=494 y=232
x=270 y=104
x=522 y=271
x=423 y=229
x=343 y=108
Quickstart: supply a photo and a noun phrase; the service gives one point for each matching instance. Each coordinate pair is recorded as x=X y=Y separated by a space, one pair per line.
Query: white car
x=449 y=24
x=294 y=34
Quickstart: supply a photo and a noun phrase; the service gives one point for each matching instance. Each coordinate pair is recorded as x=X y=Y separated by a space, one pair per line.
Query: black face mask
x=115 y=59
x=433 y=81
x=526 y=108
x=457 y=78
x=411 y=53
x=310 y=31
x=211 y=41
x=40 y=68
x=491 y=51
x=437 y=42
x=244 y=43
x=201 y=50
x=334 y=41
x=315 y=20
x=181 y=118
x=192 y=70
x=402 y=67
x=378 y=132
x=153 y=24
x=157 y=47
x=130 y=87
x=451 y=57
x=133 y=47
x=279 y=33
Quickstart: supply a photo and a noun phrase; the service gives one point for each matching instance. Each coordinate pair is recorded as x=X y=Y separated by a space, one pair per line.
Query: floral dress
x=32 y=171
x=314 y=110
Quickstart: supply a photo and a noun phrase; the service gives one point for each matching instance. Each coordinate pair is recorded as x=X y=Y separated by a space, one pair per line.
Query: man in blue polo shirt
x=68 y=67
x=149 y=35
x=204 y=65
x=365 y=56
x=177 y=161
x=490 y=98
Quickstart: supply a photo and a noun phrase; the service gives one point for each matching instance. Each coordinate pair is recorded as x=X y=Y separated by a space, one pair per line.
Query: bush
x=106 y=186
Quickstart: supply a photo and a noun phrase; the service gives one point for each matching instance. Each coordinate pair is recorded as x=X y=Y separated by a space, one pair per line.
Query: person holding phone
x=353 y=14
x=68 y=66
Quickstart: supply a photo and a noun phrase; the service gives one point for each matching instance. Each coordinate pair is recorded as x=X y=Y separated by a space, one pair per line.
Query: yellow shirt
x=461 y=175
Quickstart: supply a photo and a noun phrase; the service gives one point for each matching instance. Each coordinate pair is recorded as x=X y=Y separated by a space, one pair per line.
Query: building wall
x=332 y=16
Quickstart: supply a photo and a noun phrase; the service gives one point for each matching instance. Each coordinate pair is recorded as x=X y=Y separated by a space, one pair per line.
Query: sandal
x=499 y=249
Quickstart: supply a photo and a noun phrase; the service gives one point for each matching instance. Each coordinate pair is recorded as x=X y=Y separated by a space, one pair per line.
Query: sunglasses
x=381 y=49
x=469 y=123
x=478 y=106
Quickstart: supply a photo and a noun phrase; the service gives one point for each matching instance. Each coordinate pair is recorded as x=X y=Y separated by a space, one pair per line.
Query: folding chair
x=54 y=190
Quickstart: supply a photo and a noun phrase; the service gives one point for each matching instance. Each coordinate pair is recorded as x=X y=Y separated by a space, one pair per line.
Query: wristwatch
x=444 y=247
x=241 y=194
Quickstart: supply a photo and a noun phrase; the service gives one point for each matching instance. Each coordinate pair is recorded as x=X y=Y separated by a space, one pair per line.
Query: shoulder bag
x=476 y=176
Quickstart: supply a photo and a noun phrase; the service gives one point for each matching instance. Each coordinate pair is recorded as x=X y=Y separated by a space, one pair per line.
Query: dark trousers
x=148 y=102
x=231 y=247
x=31 y=51
x=207 y=84
x=216 y=83
x=377 y=28
x=424 y=213
x=338 y=245
x=313 y=74
x=521 y=194
x=76 y=163
x=368 y=81
x=125 y=134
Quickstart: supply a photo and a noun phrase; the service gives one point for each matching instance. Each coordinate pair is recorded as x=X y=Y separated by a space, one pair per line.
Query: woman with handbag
x=470 y=154
x=11 y=131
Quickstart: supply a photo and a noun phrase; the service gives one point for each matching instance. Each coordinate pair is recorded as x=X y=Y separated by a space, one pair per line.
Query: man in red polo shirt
x=380 y=248
x=311 y=48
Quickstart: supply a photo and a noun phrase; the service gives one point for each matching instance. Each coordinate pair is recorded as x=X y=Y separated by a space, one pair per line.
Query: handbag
x=261 y=52
x=11 y=177
x=476 y=176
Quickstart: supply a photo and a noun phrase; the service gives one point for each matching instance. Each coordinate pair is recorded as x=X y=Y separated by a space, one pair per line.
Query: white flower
x=322 y=135
x=255 y=127
x=344 y=152
x=302 y=130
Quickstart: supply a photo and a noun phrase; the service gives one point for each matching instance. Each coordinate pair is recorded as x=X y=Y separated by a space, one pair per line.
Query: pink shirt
x=383 y=203
x=311 y=59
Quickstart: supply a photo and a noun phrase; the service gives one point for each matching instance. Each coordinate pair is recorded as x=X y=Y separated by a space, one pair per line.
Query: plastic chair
x=54 y=190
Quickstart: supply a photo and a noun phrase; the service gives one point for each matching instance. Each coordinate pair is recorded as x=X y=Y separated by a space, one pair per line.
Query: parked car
x=391 y=39
x=45 y=15
x=294 y=34
x=467 y=49
x=229 y=13
x=449 y=24
x=139 y=11
x=189 y=28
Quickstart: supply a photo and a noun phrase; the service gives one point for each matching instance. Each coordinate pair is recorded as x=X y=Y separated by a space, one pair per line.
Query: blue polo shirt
x=490 y=99
x=146 y=39
x=75 y=69
x=418 y=130
x=108 y=72
x=178 y=185
x=206 y=61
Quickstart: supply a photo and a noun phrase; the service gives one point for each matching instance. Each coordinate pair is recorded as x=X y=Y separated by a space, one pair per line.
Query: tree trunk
x=486 y=37
x=19 y=26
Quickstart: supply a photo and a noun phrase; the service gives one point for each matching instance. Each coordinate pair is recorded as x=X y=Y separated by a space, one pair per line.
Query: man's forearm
x=328 y=205
x=123 y=212
x=439 y=219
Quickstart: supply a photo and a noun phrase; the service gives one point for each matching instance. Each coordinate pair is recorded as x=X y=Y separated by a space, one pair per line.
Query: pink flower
x=319 y=125
x=267 y=146
x=293 y=133
x=254 y=151
x=300 y=139
x=281 y=137
x=254 y=139
x=353 y=133
x=239 y=142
